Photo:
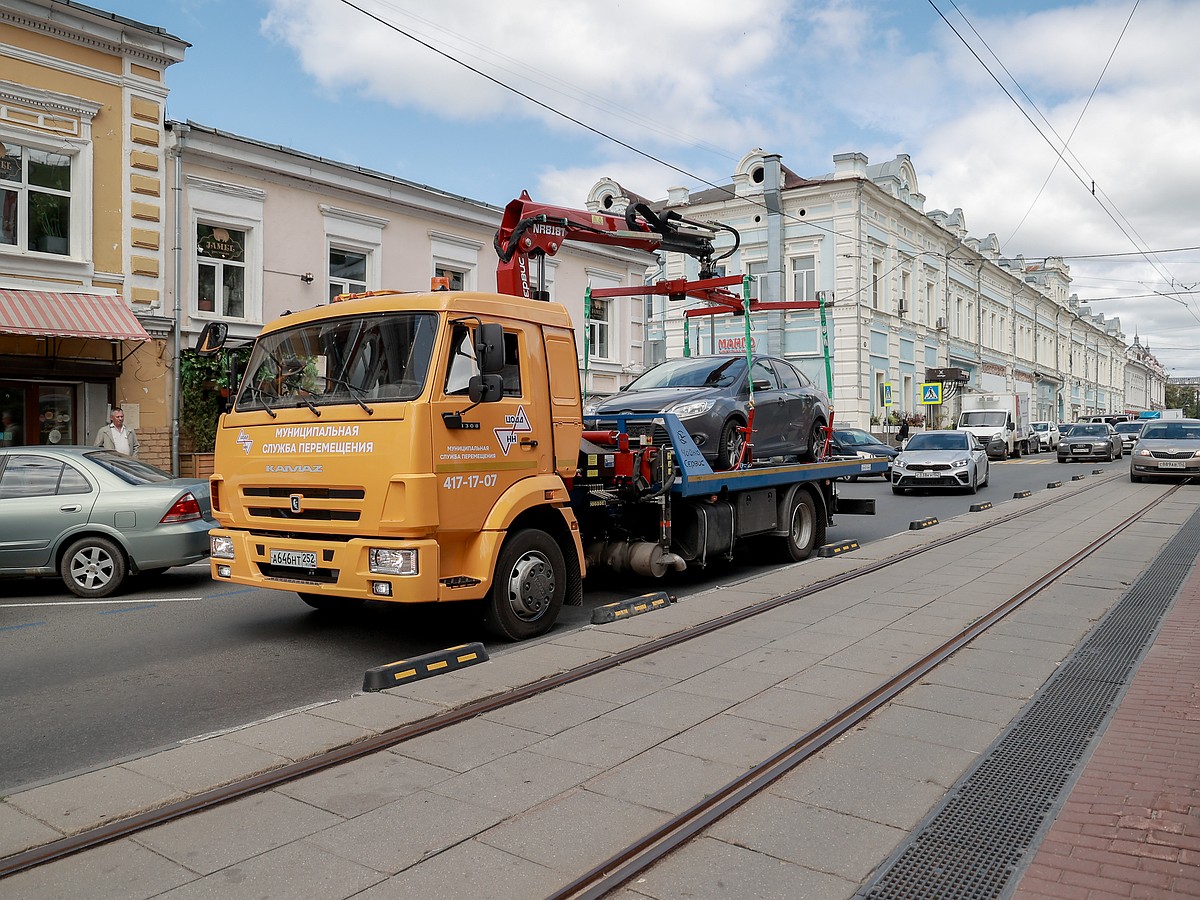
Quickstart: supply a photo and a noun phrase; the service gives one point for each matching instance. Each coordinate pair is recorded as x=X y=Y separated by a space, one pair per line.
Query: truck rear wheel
x=802 y=528
x=529 y=586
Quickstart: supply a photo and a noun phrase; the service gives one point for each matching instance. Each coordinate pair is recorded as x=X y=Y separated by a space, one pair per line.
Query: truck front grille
x=303 y=503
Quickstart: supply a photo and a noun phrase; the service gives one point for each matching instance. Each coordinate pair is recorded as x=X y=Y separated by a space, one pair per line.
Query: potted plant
x=204 y=384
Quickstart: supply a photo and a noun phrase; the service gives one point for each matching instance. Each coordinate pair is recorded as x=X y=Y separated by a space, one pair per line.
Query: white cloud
x=657 y=72
x=700 y=82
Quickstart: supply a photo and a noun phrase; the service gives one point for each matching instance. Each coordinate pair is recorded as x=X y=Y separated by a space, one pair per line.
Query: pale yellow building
x=84 y=318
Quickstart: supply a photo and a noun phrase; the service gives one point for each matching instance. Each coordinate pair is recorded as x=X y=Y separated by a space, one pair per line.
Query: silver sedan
x=94 y=516
x=1167 y=448
x=941 y=459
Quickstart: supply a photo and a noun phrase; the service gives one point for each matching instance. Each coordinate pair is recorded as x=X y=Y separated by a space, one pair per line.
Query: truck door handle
x=72 y=508
x=526 y=442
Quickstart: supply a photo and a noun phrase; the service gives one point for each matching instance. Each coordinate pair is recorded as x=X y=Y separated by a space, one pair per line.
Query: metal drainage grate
x=973 y=843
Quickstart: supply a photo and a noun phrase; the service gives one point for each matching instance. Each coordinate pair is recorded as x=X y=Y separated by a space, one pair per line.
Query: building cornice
x=106 y=32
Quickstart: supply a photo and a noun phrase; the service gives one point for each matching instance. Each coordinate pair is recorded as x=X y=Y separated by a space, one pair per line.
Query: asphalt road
x=84 y=683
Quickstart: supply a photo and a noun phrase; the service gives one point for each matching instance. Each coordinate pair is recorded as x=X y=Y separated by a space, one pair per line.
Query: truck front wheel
x=529 y=586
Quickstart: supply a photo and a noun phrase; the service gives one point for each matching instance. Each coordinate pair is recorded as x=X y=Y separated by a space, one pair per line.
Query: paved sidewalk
x=516 y=802
x=1131 y=825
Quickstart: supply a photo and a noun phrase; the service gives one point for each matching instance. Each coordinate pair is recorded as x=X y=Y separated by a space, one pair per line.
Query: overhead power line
x=1089 y=187
x=675 y=168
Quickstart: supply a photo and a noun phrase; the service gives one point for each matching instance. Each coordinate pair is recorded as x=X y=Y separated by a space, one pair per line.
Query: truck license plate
x=1170 y=464
x=294 y=559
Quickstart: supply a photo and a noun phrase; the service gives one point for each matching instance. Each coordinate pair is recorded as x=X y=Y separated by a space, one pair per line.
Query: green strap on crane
x=825 y=345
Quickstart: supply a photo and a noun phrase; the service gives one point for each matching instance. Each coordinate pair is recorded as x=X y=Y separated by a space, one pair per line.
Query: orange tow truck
x=418 y=448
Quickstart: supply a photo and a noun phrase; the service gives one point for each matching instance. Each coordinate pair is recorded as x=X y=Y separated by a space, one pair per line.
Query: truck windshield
x=367 y=359
x=996 y=417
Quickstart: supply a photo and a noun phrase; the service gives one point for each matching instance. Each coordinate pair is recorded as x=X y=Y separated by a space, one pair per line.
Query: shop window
x=35 y=199
x=221 y=271
x=56 y=405
x=347 y=272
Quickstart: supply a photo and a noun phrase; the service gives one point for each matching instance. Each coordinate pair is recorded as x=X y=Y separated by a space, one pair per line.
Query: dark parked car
x=710 y=395
x=856 y=442
x=1167 y=448
x=94 y=516
x=1091 y=440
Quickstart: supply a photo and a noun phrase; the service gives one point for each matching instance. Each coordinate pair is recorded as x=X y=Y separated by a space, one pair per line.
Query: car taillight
x=185 y=509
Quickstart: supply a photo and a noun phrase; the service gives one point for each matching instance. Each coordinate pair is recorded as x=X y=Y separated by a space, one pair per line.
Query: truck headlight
x=220 y=546
x=691 y=409
x=386 y=561
x=998 y=436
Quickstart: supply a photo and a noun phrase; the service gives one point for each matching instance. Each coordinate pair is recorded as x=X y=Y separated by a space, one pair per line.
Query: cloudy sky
x=485 y=99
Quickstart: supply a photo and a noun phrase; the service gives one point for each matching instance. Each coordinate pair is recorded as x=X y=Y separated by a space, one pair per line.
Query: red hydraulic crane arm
x=531 y=230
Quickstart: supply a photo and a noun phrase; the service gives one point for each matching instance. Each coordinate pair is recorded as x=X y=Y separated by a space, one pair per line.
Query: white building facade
x=911 y=292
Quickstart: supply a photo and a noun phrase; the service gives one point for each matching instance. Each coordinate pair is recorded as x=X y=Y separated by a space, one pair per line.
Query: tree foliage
x=204 y=385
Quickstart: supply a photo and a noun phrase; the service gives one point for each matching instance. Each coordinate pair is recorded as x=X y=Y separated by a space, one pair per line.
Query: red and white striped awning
x=105 y=318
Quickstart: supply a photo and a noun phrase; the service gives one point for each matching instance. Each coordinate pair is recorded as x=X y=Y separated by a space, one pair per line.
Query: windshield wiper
x=261 y=396
x=356 y=394
x=309 y=404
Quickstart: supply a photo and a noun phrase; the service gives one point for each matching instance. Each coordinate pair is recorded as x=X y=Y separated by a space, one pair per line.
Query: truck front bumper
x=316 y=566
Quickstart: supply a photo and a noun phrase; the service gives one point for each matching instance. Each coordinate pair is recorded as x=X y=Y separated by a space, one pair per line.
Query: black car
x=856 y=442
x=711 y=395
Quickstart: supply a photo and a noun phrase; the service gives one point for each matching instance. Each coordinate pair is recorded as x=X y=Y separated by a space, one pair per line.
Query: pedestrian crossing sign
x=931 y=392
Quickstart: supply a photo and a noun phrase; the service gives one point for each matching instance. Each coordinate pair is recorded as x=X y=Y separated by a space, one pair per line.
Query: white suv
x=1047 y=434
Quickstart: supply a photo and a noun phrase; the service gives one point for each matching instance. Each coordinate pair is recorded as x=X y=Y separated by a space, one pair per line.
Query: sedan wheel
x=93 y=567
x=730 y=448
x=816 y=442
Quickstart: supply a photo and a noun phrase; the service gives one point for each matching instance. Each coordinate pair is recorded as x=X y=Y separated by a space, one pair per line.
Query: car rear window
x=28 y=475
x=128 y=469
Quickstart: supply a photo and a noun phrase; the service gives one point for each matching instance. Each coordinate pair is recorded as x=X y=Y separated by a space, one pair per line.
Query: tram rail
x=647 y=850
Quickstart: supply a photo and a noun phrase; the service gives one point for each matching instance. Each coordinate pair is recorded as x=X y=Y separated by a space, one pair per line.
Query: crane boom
x=530 y=231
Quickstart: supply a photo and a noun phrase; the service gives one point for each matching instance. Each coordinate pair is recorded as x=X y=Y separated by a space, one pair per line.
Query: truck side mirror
x=485 y=388
x=489 y=348
x=212 y=338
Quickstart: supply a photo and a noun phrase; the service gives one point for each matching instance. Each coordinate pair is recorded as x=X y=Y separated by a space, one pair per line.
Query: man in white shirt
x=115 y=436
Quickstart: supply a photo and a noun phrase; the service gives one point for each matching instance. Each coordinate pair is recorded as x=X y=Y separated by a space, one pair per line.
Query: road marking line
x=100 y=602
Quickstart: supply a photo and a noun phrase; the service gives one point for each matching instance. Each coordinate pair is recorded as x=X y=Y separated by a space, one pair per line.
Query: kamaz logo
x=552 y=230
x=295 y=468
